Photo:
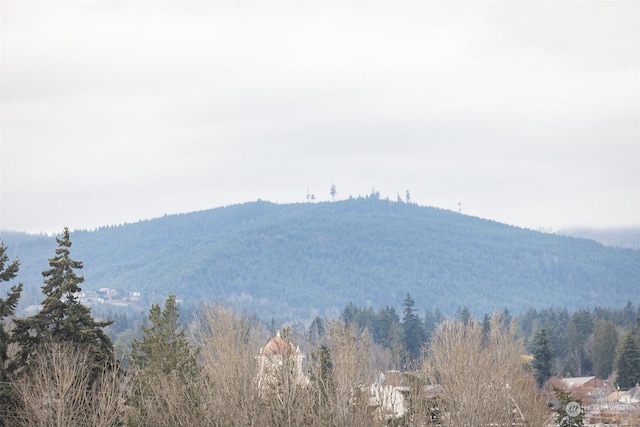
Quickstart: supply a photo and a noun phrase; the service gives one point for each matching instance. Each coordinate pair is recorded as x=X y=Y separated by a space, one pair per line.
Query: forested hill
x=301 y=260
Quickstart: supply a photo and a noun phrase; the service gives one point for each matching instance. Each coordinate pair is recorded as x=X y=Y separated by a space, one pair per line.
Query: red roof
x=278 y=346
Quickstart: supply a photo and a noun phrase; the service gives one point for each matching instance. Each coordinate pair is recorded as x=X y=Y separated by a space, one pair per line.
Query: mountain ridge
x=296 y=261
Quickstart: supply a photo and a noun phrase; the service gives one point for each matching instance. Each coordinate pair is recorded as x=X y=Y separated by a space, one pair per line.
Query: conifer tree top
x=63 y=318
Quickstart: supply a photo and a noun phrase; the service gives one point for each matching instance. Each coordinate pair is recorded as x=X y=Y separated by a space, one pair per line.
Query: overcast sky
x=526 y=113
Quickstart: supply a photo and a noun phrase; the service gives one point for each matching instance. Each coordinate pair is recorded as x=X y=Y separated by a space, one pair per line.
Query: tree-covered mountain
x=302 y=260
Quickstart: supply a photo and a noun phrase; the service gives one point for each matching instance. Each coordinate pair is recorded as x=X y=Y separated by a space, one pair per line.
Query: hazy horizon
x=525 y=113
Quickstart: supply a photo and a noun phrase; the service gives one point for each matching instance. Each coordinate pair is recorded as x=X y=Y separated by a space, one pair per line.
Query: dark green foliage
x=164 y=347
x=551 y=351
x=590 y=334
x=628 y=364
x=362 y=317
x=384 y=326
x=463 y=314
x=629 y=315
x=414 y=333
x=579 y=330
x=63 y=318
x=387 y=331
x=163 y=354
x=321 y=376
x=486 y=327
x=8 y=272
x=431 y=320
x=543 y=357
x=349 y=313
x=316 y=331
x=287 y=261
x=556 y=322
x=605 y=342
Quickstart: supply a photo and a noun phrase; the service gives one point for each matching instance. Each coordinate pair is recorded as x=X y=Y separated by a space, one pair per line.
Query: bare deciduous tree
x=165 y=400
x=482 y=375
x=228 y=343
x=479 y=371
x=352 y=373
x=59 y=391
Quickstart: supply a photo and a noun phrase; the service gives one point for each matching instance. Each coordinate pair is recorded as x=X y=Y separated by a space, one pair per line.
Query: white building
x=278 y=354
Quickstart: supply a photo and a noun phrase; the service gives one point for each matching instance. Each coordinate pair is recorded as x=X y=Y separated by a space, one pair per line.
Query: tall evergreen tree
x=164 y=348
x=7 y=308
x=629 y=314
x=605 y=342
x=321 y=375
x=414 y=333
x=628 y=362
x=430 y=323
x=389 y=332
x=316 y=331
x=486 y=328
x=578 y=331
x=386 y=327
x=164 y=355
x=556 y=322
x=463 y=314
x=348 y=314
x=63 y=318
x=543 y=357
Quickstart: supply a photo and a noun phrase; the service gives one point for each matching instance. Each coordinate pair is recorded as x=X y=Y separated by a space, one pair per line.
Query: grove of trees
x=59 y=366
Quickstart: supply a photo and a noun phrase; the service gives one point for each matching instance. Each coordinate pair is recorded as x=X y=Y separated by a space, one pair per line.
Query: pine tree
x=165 y=367
x=605 y=341
x=333 y=192
x=628 y=362
x=7 y=308
x=430 y=324
x=164 y=347
x=463 y=314
x=629 y=314
x=316 y=331
x=543 y=356
x=578 y=331
x=414 y=333
x=321 y=376
x=63 y=319
x=486 y=328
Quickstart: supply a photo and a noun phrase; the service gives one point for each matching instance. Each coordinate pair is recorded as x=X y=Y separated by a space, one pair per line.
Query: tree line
x=59 y=366
x=601 y=342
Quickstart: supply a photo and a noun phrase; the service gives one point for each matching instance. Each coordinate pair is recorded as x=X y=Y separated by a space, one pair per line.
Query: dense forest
x=580 y=343
x=59 y=366
x=294 y=262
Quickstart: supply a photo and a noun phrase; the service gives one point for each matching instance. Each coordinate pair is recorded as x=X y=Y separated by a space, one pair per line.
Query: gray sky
x=524 y=112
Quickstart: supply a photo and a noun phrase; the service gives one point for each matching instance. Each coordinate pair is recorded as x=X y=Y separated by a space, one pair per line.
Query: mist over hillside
x=627 y=237
x=296 y=261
